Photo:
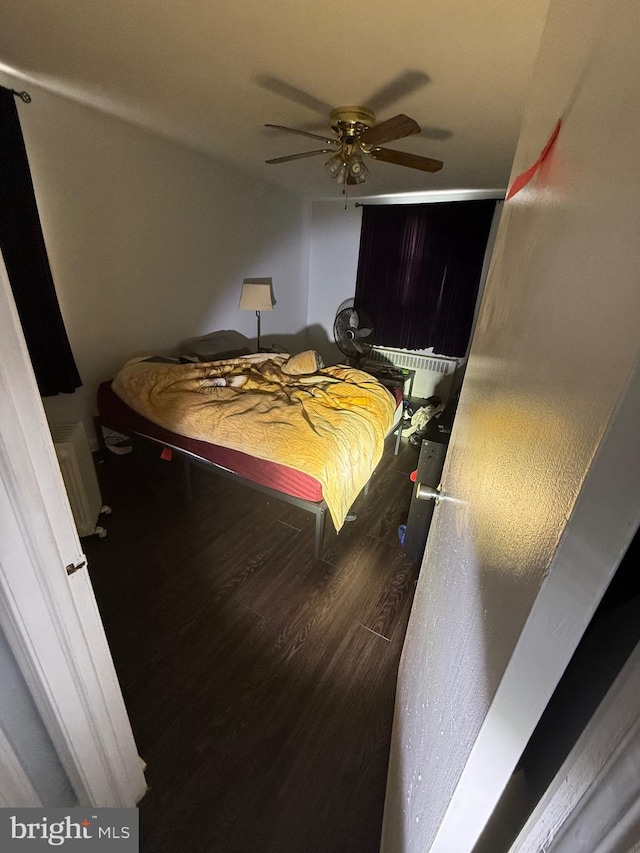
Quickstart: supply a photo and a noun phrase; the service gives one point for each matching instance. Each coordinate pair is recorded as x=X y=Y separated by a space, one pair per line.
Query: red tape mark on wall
x=523 y=179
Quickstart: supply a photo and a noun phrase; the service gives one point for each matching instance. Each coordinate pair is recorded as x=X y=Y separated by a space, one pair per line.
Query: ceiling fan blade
x=300 y=156
x=393 y=128
x=292 y=93
x=432 y=132
x=403 y=158
x=326 y=139
x=402 y=86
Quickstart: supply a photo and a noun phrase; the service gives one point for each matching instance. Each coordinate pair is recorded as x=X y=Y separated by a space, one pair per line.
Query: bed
x=282 y=424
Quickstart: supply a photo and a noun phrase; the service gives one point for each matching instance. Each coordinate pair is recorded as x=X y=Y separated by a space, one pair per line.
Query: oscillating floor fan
x=353 y=333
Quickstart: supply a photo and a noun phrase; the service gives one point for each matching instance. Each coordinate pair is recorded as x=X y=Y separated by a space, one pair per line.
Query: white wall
x=543 y=458
x=149 y=242
x=333 y=266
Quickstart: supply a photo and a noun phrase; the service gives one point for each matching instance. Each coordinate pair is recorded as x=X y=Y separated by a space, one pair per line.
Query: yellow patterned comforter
x=329 y=423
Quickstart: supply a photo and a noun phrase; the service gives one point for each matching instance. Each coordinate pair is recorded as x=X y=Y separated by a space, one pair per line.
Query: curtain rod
x=431 y=196
x=24 y=96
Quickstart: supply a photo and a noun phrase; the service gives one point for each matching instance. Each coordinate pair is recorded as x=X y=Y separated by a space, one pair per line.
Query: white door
x=49 y=618
x=542 y=477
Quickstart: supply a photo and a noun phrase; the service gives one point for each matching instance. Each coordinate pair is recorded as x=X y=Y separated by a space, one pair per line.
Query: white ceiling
x=211 y=73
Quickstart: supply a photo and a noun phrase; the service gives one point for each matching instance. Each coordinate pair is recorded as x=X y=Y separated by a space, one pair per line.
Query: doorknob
x=427 y=493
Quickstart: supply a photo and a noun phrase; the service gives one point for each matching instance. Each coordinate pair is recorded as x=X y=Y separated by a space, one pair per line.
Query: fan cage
x=345 y=333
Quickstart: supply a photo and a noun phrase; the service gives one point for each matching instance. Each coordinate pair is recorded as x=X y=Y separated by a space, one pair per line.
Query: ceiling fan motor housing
x=353 y=114
x=350 y=122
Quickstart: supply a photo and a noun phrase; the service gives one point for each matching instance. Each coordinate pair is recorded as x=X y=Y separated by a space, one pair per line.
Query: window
x=419 y=270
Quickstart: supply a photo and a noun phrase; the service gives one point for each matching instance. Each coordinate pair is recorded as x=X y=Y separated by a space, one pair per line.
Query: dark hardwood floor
x=259 y=682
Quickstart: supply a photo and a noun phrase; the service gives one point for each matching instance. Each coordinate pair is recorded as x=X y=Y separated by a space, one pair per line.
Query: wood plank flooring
x=260 y=682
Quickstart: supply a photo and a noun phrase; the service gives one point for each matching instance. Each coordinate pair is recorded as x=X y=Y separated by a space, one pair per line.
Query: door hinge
x=73 y=567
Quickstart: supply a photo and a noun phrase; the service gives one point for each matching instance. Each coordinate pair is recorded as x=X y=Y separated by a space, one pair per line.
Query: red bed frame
x=276 y=480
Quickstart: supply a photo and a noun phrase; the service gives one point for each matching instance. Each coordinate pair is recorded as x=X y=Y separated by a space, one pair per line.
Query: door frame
x=16 y=785
x=50 y=618
x=593 y=802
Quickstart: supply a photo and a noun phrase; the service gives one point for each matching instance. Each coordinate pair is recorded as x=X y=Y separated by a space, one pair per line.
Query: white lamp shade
x=256 y=295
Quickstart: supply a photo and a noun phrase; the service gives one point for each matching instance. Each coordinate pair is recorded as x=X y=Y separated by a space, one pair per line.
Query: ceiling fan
x=356 y=133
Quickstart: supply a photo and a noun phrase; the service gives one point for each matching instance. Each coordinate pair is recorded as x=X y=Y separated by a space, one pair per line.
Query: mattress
x=113 y=412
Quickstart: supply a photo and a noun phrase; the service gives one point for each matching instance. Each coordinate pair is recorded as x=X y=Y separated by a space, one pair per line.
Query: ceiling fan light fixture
x=335 y=167
x=357 y=169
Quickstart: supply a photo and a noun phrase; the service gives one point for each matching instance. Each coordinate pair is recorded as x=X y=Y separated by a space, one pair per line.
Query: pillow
x=217 y=346
x=303 y=363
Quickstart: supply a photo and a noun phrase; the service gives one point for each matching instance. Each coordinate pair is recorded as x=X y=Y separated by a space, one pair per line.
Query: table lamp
x=256 y=296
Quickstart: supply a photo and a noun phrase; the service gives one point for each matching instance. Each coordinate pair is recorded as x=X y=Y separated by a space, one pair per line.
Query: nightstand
x=392 y=377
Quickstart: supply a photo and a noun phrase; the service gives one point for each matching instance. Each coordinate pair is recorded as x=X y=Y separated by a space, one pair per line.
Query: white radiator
x=79 y=475
x=434 y=373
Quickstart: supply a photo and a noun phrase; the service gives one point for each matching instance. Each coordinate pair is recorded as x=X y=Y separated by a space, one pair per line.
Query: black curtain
x=419 y=270
x=25 y=257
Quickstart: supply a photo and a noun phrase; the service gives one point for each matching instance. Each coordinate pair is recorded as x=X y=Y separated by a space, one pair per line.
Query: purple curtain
x=419 y=270
x=25 y=257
